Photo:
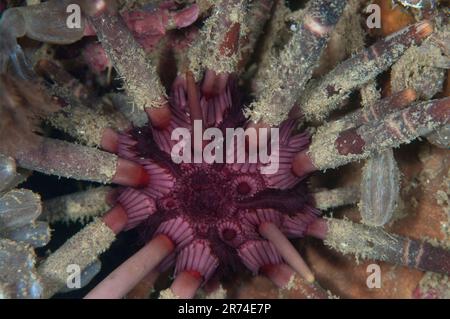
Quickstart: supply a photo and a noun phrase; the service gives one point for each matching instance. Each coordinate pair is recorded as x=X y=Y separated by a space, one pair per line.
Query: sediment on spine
x=374 y=243
x=291 y=285
x=327 y=199
x=82 y=249
x=347 y=38
x=79 y=206
x=257 y=16
x=275 y=31
x=331 y=148
x=422 y=67
x=125 y=105
x=299 y=288
x=85 y=124
x=84 y=118
x=289 y=72
x=362 y=241
x=140 y=77
x=71 y=87
x=326 y=95
x=376 y=110
x=217 y=46
x=55 y=157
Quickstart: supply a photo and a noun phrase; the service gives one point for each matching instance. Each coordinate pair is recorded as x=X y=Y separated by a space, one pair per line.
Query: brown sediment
x=82 y=249
x=167 y=294
x=284 y=79
x=80 y=206
x=327 y=94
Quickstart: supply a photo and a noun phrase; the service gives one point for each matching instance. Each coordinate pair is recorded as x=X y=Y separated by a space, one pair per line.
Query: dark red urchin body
x=212 y=212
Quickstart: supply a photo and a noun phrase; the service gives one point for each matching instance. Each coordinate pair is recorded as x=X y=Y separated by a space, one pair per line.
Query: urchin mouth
x=203 y=194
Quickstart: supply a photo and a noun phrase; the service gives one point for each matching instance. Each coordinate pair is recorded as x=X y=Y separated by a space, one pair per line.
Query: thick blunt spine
x=373 y=243
x=86 y=124
x=258 y=14
x=377 y=110
x=82 y=249
x=324 y=97
x=69 y=160
x=65 y=159
x=331 y=148
x=288 y=73
x=140 y=77
x=77 y=206
x=125 y=277
x=328 y=199
x=217 y=48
